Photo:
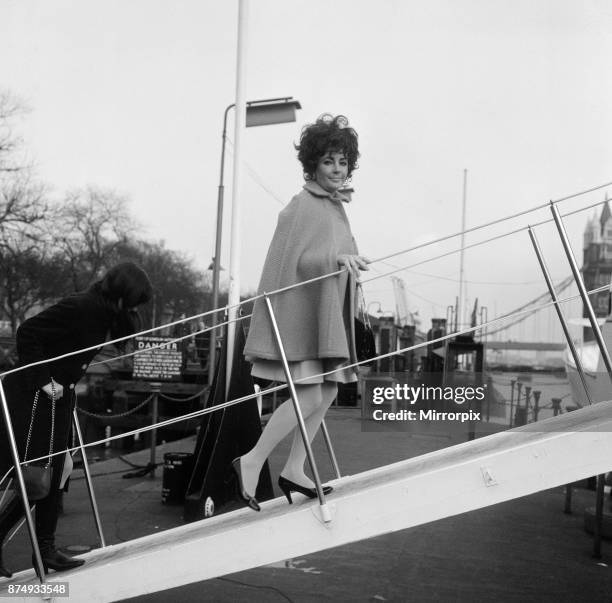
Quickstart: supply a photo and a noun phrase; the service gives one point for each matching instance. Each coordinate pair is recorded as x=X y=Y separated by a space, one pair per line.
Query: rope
x=336 y=273
x=165 y=343
x=270 y=390
x=454 y=251
x=503 y=219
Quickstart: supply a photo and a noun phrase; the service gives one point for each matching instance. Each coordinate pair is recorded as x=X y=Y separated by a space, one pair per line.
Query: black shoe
x=9 y=516
x=287 y=486
x=250 y=501
x=55 y=560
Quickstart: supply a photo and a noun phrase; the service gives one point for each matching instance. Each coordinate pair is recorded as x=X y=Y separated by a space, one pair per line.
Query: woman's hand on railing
x=354 y=263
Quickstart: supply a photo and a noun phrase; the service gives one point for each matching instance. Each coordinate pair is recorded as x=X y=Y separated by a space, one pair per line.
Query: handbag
x=38 y=477
x=365 y=343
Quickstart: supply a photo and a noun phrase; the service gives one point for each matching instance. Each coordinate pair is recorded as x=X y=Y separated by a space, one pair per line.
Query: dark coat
x=79 y=321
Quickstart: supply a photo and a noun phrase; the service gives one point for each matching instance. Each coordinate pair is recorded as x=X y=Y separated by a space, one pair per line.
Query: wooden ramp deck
x=440 y=484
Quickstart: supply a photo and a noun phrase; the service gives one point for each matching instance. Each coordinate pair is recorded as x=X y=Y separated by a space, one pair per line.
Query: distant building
x=597 y=262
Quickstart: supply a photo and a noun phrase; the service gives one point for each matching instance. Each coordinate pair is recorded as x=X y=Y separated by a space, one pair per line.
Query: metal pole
x=22 y=489
x=155 y=389
x=519 y=387
x=460 y=307
x=212 y=346
x=325 y=513
x=239 y=126
x=581 y=288
x=536 y=404
x=90 y=488
x=604 y=354
x=512 y=384
x=553 y=295
x=330 y=449
x=568 y=499
x=598 y=527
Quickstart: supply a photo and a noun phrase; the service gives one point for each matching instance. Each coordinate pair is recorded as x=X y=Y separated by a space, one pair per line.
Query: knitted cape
x=314 y=320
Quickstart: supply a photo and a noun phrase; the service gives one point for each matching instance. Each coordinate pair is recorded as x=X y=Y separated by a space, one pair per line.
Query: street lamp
x=258 y=113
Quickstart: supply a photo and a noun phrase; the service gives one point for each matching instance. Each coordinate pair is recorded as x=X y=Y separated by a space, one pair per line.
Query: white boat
x=597 y=379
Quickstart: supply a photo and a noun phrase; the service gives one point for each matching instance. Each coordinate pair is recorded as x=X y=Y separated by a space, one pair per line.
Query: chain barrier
x=173 y=399
x=95 y=415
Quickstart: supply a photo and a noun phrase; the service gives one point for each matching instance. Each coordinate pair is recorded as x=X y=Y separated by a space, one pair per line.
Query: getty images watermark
x=426 y=393
x=390 y=401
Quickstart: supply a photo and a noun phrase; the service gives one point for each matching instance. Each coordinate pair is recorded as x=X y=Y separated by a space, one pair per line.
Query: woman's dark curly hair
x=328 y=134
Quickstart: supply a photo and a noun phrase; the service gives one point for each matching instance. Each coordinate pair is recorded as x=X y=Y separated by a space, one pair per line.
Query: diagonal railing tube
x=90 y=488
x=21 y=485
x=553 y=295
x=598 y=528
x=325 y=512
x=330 y=449
x=581 y=288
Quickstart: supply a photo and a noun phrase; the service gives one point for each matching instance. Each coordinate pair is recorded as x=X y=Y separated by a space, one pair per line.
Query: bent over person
x=104 y=311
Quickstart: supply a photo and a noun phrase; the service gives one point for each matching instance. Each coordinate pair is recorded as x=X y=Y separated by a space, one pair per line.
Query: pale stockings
x=314 y=402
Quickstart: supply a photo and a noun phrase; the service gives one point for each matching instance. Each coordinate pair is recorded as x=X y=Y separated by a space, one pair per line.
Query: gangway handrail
x=276 y=388
x=329 y=275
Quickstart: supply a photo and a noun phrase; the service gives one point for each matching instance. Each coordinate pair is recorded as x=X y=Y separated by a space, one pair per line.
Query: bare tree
x=21 y=200
x=86 y=228
x=22 y=203
x=30 y=275
x=11 y=158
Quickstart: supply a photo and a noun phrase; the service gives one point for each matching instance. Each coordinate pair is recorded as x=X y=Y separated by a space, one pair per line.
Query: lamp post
x=258 y=113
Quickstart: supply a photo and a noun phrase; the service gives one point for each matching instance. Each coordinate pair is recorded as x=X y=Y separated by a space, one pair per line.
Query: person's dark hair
x=328 y=134
x=128 y=282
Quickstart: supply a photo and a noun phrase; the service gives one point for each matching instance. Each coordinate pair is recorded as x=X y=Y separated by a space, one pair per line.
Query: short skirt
x=309 y=370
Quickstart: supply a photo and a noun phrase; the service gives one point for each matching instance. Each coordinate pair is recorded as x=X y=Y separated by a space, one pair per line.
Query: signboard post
x=158 y=359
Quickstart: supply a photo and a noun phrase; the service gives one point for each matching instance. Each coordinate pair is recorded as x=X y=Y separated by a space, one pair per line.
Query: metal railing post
x=90 y=488
x=600 y=342
x=582 y=289
x=155 y=389
x=553 y=295
x=325 y=512
x=330 y=448
x=21 y=484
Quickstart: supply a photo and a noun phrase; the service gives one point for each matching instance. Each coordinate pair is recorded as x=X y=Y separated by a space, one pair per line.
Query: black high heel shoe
x=287 y=486
x=250 y=501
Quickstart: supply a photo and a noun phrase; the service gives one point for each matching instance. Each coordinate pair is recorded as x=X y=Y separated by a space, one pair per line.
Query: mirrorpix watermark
x=426 y=393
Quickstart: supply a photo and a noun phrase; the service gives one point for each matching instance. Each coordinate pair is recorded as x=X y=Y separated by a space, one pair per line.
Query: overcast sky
x=130 y=95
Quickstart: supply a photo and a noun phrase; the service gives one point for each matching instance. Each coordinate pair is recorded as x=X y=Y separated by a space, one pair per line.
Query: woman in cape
x=312 y=238
x=82 y=320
